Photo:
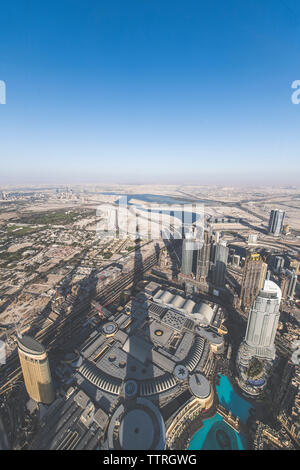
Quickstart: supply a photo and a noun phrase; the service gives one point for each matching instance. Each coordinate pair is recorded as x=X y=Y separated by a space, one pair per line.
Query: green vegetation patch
x=19 y=231
x=51 y=218
x=255 y=368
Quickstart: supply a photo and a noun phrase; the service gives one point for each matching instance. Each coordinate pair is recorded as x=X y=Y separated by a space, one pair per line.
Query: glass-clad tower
x=276 y=222
x=188 y=248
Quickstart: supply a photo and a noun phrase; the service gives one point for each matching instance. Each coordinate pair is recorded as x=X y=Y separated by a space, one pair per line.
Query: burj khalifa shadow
x=139 y=427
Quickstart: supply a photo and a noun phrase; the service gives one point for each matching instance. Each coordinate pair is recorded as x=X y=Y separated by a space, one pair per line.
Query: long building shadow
x=254 y=227
x=137 y=427
x=173 y=248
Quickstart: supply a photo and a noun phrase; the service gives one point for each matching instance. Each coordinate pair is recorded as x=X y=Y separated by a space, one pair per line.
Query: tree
x=255 y=368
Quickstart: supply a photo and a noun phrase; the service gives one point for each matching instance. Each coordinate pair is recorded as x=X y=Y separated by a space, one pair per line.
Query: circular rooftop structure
x=74 y=359
x=181 y=372
x=110 y=328
x=158 y=332
x=136 y=425
x=130 y=388
x=136 y=430
x=29 y=345
x=199 y=385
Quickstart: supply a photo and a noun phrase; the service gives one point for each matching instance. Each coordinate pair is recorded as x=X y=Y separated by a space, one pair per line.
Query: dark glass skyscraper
x=288 y=284
x=276 y=222
x=219 y=263
x=203 y=259
x=187 y=255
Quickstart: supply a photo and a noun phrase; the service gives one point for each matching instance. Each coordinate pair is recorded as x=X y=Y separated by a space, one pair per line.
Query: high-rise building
x=259 y=341
x=278 y=264
x=288 y=284
x=254 y=274
x=203 y=258
x=263 y=321
x=294 y=265
x=286 y=229
x=236 y=259
x=276 y=222
x=36 y=371
x=217 y=236
x=220 y=259
x=188 y=247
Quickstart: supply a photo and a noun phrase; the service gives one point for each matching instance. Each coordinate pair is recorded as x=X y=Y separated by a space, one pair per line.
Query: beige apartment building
x=36 y=371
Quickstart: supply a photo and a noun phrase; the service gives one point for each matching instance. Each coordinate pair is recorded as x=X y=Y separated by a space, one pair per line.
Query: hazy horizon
x=145 y=93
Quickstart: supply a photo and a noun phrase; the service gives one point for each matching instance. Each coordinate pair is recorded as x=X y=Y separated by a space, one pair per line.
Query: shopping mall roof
x=201 y=312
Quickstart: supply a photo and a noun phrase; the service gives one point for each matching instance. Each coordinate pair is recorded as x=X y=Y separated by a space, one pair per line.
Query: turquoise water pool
x=215 y=434
x=231 y=400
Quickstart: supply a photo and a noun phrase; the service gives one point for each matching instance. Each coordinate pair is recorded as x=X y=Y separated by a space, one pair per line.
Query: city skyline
x=150 y=227
x=194 y=95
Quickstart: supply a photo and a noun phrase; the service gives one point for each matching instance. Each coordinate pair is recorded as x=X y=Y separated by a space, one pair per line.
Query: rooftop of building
x=199 y=385
x=270 y=288
x=30 y=345
x=200 y=312
x=144 y=345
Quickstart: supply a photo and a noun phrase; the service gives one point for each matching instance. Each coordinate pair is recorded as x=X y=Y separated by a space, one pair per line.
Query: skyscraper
x=254 y=274
x=276 y=222
x=187 y=254
x=263 y=321
x=36 y=371
x=203 y=258
x=278 y=263
x=288 y=284
x=259 y=341
x=219 y=263
x=294 y=265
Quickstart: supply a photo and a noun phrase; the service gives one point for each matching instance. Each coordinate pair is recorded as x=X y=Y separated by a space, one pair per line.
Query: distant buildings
x=236 y=259
x=276 y=222
x=252 y=239
x=36 y=371
x=205 y=266
x=254 y=274
x=258 y=343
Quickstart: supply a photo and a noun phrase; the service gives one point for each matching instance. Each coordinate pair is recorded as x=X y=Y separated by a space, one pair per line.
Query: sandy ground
x=17 y=246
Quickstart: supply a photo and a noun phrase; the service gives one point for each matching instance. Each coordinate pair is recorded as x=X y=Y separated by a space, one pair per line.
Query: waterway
x=215 y=433
x=152 y=198
x=183 y=213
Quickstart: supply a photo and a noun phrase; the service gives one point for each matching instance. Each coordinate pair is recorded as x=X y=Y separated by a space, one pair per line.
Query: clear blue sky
x=137 y=91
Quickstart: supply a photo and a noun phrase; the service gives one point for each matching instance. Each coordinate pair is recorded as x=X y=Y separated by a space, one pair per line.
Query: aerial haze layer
x=144 y=93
